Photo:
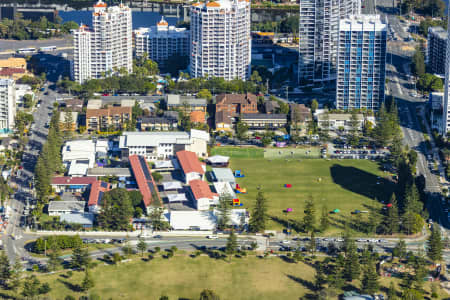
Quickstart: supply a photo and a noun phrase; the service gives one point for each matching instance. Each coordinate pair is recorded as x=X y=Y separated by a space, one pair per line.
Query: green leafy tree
x=224 y=210
x=16 y=275
x=392 y=292
x=30 y=286
x=241 y=130
x=44 y=288
x=117 y=210
x=312 y=243
x=309 y=219
x=400 y=250
x=88 y=282
x=418 y=63
x=435 y=245
x=314 y=105
x=391 y=219
x=141 y=246
x=54 y=260
x=324 y=219
x=5 y=269
x=80 y=257
x=259 y=216
x=369 y=282
x=205 y=94
x=208 y=295
x=231 y=246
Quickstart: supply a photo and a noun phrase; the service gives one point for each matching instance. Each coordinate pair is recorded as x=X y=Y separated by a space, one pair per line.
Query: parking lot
x=342 y=151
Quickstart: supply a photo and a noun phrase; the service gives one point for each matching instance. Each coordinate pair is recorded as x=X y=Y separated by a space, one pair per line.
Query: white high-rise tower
x=446 y=107
x=107 y=48
x=318 y=32
x=220 y=39
x=361 y=62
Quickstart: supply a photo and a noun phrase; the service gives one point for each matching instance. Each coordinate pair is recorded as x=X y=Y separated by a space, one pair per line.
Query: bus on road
x=26 y=51
x=47 y=49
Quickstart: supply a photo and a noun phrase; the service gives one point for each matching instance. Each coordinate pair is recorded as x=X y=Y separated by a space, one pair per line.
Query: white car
x=285 y=242
x=212 y=237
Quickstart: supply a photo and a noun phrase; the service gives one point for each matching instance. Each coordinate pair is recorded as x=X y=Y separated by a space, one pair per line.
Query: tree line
x=23 y=29
x=48 y=163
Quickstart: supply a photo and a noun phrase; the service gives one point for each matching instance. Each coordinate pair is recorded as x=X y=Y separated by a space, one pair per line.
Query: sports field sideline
x=268 y=153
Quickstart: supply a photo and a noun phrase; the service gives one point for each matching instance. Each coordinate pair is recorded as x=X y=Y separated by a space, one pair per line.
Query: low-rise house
x=236 y=104
x=158 y=123
x=21 y=91
x=98 y=189
x=202 y=194
x=106 y=119
x=218 y=161
x=192 y=220
x=13 y=67
x=68 y=116
x=197 y=117
x=264 y=121
x=71 y=184
x=185 y=104
x=191 y=167
x=109 y=172
x=271 y=107
x=224 y=175
x=154 y=145
x=339 y=122
x=146 y=183
x=86 y=220
x=224 y=122
x=78 y=156
x=300 y=116
x=73 y=105
x=58 y=208
x=224 y=189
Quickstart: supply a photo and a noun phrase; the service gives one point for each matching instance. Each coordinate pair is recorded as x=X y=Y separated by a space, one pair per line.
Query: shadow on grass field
x=362 y=182
x=347 y=185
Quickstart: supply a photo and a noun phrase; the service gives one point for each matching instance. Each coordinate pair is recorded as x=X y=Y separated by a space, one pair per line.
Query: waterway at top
x=139 y=19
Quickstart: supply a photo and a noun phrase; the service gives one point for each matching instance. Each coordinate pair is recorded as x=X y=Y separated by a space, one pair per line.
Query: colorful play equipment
x=238 y=174
x=336 y=211
x=237 y=202
x=240 y=190
x=389 y=205
x=287 y=185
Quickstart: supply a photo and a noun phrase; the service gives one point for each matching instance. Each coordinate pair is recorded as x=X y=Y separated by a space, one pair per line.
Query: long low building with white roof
x=163 y=145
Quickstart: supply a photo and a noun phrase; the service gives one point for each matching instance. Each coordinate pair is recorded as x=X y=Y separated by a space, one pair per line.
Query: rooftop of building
x=264 y=117
x=66 y=180
x=177 y=100
x=110 y=110
x=200 y=189
x=152 y=138
x=339 y=117
x=223 y=117
x=197 y=116
x=221 y=4
x=98 y=189
x=66 y=206
x=13 y=62
x=11 y=71
x=80 y=218
x=118 y=172
x=362 y=23
x=144 y=179
x=189 y=162
x=439 y=31
x=236 y=99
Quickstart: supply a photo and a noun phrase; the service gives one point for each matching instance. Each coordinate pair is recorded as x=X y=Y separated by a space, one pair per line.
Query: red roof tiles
x=144 y=179
x=66 y=180
x=189 y=162
x=200 y=189
x=95 y=195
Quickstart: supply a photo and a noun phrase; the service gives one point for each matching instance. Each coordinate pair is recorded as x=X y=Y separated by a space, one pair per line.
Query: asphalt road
x=36 y=140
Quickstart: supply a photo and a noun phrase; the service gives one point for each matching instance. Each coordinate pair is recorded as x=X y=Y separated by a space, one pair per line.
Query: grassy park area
x=182 y=277
x=339 y=184
x=268 y=153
